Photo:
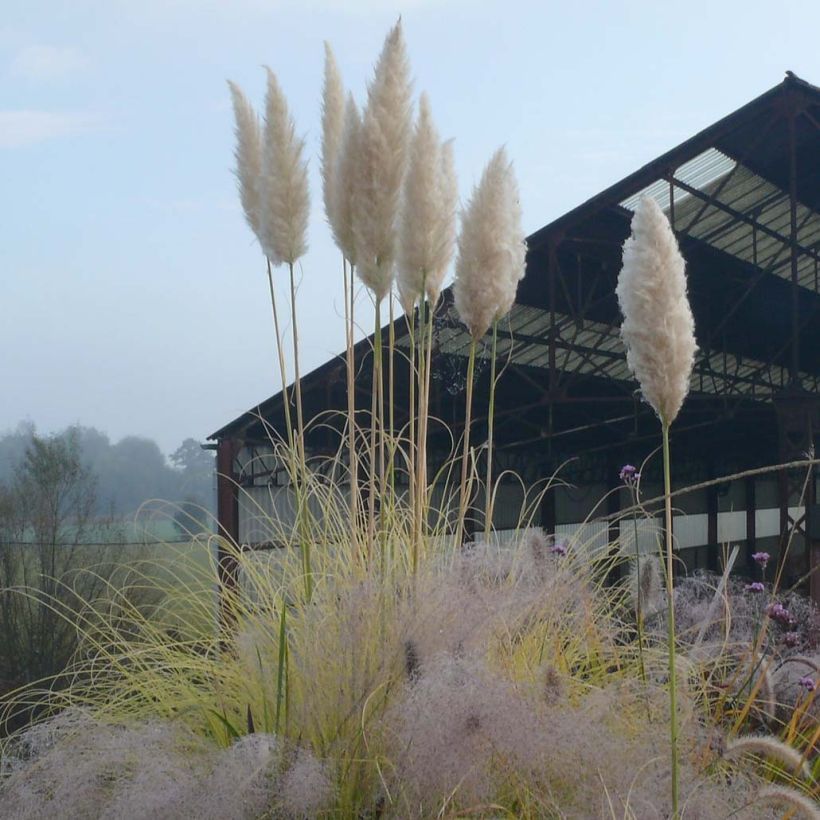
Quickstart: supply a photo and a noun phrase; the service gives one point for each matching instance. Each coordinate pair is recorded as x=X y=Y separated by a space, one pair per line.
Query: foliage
x=127 y=472
x=50 y=570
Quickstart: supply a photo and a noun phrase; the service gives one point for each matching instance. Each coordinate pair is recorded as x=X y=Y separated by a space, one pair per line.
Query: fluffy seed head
x=428 y=213
x=491 y=248
x=382 y=156
x=333 y=123
x=344 y=187
x=658 y=328
x=248 y=154
x=285 y=202
x=780 y=795
x=767 y=746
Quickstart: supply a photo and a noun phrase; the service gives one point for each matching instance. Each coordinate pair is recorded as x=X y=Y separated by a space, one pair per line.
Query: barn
x=743 y=197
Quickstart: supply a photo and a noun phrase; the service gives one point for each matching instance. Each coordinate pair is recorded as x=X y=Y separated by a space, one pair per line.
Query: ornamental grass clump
x=658 y=331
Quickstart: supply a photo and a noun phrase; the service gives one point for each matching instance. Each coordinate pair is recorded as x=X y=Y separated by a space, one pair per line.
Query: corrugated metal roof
x=761 y=238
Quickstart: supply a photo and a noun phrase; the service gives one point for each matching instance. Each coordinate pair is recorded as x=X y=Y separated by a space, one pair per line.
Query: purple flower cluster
x=761 y=558
x=755 y=586
x=791 y=639
x=807 y=682
x=559 y=548
x=777 y=612
x=629 y=473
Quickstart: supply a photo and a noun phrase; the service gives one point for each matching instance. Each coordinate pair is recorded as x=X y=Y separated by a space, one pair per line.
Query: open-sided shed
x=743 y=197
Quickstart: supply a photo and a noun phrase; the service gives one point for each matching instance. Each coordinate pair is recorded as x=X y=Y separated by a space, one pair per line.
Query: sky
x=133 y=296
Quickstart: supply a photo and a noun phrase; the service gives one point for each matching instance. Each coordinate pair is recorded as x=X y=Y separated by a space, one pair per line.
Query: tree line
x=126 y=472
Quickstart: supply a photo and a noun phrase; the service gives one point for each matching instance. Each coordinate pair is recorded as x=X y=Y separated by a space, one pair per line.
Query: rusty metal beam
x=795 y=359
x=741 y=217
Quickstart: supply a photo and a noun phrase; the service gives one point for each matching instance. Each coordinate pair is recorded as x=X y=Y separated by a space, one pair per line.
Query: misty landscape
x=409 y=412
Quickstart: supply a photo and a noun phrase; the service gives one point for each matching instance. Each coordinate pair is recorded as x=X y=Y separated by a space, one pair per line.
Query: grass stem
x=670 y=598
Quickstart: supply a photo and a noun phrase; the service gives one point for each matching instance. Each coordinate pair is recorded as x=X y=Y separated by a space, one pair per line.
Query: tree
x=54 y=560
x=197 y=474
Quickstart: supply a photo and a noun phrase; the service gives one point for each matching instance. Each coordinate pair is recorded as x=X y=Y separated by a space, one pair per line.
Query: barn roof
x=743 y=196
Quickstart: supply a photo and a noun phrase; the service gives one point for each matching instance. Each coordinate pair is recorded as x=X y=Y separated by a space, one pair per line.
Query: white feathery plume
x=343 y=189
x=285 y=201
x=333 y=123
x=491 y=248
x=428 y=212
x=248 y=154
x=658 y=328
x=382 y=154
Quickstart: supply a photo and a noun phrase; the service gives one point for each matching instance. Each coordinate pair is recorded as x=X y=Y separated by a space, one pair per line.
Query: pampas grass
x=343 y=189
x=491 y=248
x=382 y=151
x=284 y=197
x=489 y=266
x=658 y=329
x=659 y=333
x=427 y=225
x=248 y=154
x=333 y=125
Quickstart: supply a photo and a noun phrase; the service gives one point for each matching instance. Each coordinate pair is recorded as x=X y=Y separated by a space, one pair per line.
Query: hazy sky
x=133 y=297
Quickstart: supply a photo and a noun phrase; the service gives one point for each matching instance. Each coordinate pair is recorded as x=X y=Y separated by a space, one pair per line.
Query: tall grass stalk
x=411 y=444
x=303 y=510
x=352 y=456
x=425 y=342
x=377 y=435
x=670 y=603
x=465 y=485
x=391 y=420
x=281 y=357
x=490 y=495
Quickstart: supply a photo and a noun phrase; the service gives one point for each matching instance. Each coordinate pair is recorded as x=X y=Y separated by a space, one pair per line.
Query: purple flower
x=791 y=639
x=559 y=548
x=761 y=558
x=807 y=682
x=777 y=612
x=755 y=586
x=629 y=473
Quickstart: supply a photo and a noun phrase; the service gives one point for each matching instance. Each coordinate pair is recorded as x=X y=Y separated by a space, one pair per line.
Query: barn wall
x=266 y=512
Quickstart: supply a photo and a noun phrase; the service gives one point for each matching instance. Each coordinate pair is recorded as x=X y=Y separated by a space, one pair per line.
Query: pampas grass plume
x=344 y=185
x=491 y=248
x=658 y=328
x=382 y=153
x=427 y=222
x=248 y=154
x=333 y=124
x=285 y=201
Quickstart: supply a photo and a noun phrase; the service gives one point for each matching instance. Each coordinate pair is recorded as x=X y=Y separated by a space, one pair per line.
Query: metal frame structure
x=743 y=197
